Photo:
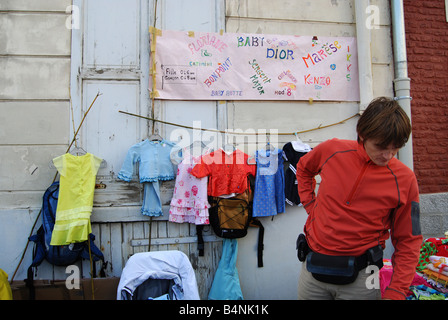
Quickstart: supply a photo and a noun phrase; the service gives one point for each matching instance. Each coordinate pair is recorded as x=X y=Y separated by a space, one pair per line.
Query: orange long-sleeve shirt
x=358 y=203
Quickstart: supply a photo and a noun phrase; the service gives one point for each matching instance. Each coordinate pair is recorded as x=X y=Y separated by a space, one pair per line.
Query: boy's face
x=380 y=156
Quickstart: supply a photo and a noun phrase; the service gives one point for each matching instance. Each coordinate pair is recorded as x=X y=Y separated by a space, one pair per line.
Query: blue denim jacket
x=154 y=161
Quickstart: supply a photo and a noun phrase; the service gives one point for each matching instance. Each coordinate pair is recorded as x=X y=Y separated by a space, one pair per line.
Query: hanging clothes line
x=243 y=133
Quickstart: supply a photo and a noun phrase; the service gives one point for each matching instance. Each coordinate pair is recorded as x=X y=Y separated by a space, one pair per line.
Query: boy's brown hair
x=385 y=121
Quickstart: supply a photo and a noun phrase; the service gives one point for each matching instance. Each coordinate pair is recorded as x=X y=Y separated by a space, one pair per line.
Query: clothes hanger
x=155 y=137
x=196 y=148
x=229 y=148
x=77 y=151
x=298 y=145
x=251 y=160
x=269 y=146
x=177 y=154
x=196 y=144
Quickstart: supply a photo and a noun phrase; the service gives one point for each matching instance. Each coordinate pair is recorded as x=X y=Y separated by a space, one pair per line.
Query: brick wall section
x=427 y=48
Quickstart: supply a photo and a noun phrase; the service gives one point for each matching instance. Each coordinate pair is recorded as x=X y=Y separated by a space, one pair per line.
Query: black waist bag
x=332 y=269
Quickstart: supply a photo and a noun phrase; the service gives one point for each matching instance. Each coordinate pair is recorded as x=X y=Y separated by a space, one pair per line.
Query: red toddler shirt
x=227 y=172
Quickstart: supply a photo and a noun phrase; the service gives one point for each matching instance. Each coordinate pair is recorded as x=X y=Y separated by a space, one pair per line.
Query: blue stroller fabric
x=226 y=284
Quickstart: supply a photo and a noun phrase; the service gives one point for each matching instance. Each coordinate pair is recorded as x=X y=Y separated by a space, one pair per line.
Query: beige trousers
x=365 y=287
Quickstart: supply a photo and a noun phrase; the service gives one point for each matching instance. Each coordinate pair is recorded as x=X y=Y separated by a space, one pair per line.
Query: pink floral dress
x=189 y=202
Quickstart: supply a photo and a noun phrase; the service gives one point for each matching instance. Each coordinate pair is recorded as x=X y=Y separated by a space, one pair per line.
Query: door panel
x=112 y=34
x=108 y=132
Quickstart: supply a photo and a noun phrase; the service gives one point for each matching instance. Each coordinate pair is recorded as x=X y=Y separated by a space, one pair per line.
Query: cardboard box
x=103 y=289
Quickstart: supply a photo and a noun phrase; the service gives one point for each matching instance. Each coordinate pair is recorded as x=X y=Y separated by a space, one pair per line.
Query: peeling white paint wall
x=34 y=114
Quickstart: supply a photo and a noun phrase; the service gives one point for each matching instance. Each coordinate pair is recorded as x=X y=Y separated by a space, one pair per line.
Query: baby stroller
x=158 y=275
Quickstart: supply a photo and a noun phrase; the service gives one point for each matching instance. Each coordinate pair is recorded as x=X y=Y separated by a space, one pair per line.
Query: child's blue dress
x=269 y=194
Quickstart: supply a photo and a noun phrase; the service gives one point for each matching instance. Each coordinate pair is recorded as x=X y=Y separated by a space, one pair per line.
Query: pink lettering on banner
x=320 y=55
x=289 y=74
x=223 y=67
x=207 y=40
x=319 y=81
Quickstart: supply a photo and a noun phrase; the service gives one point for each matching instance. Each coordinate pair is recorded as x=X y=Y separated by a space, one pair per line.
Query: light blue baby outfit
x=269 y=194
x=155 y=165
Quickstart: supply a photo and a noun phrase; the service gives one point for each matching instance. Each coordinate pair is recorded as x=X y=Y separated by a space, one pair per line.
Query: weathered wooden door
x=110 y=56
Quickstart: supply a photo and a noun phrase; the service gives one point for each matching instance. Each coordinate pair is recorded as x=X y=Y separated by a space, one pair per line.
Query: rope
x=243 y=133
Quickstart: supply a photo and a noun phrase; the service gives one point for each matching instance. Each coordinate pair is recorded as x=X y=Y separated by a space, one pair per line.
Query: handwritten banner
x=235 y=66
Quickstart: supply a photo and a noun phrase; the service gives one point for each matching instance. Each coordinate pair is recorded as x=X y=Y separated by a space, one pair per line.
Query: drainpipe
x=363 y=40
x=402 y=83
